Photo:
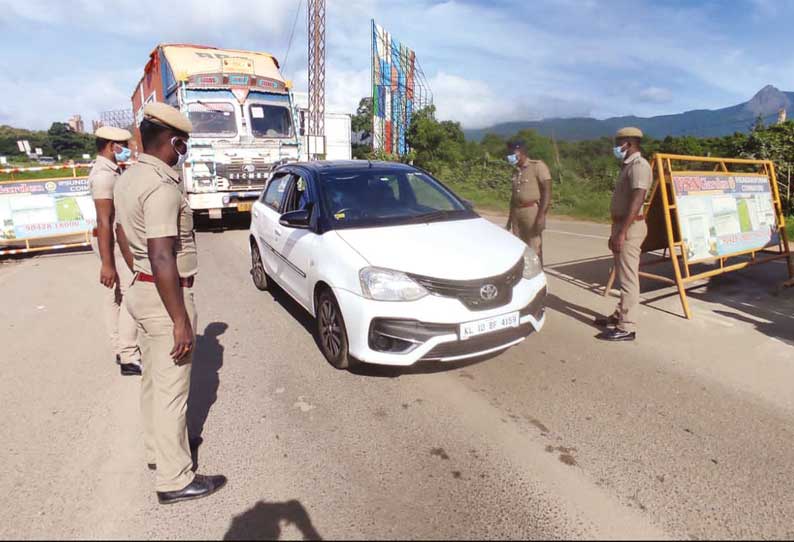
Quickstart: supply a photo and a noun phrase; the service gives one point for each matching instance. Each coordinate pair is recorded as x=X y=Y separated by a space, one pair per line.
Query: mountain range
x=700 y=123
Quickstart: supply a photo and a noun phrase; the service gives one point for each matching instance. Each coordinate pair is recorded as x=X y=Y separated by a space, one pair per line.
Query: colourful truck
x=243 y=120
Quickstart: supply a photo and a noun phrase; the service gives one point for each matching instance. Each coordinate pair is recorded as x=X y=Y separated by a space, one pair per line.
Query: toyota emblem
x=249 y=168
x=489 y=292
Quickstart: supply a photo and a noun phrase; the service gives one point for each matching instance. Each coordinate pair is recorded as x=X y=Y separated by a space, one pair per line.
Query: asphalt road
x=686 y=433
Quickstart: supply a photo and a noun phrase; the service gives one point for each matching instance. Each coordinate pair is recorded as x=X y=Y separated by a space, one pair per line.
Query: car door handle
x=277 y=232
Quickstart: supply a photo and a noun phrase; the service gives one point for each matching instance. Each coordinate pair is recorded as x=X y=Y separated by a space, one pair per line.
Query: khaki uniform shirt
x=150 y=203
x=102 y=178
x=526 y=182
x=635 y=173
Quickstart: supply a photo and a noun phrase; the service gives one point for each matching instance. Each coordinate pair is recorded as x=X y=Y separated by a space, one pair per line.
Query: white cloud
x=486 y=62
x=37 y=106
x=161 y=20
x=473 y=103
x=656 y=95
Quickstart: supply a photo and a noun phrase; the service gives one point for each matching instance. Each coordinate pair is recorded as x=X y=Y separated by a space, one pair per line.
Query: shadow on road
x=752 y=296
x=292 y=307
x=420 y=368
x=572 y=310
x=237 y=221
x=204 y=382
x=265 y=521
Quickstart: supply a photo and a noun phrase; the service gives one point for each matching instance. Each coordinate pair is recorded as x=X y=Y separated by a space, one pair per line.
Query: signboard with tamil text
x=45 y=208
x=724 y=214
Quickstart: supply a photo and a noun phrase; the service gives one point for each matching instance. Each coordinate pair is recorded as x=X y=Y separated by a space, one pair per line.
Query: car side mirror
x=295 y=219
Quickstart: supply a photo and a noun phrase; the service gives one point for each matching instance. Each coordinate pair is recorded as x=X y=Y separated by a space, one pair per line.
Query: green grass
x=567 y=200
x=46 y=174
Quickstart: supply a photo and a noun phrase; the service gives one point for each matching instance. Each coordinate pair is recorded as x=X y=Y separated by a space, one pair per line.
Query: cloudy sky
x=486 y=61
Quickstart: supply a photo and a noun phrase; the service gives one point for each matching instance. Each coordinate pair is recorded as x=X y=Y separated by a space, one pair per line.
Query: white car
x=394 y=266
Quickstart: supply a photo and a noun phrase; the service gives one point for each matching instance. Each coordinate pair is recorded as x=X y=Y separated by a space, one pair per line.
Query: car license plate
x=244 y=206
x=488 y=325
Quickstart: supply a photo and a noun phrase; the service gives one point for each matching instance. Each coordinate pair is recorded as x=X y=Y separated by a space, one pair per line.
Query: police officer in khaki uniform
x=114 y=273
x=156 y=224
x=628 y=233
x=530 y=199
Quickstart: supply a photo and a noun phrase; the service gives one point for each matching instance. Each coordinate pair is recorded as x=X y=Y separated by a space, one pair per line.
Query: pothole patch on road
x=303 y=406
x=566 y=454
x=439 y=452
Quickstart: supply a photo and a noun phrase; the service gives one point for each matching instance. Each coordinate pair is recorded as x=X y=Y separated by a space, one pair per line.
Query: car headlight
x=532 y=265
x=387 y=285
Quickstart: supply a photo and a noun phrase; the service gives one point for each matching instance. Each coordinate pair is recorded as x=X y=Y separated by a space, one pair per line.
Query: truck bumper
x=215 y=203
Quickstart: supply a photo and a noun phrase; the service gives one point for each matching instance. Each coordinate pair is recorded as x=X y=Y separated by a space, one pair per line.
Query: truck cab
x=243 y=120
x=234 y=146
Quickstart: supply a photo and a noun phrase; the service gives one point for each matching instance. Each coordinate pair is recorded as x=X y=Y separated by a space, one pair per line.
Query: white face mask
x=181 y=161
x=620 y=152
x=182 y=157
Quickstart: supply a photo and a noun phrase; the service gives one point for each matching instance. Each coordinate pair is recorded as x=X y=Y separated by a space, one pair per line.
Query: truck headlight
x=532 y=266
x=387 y=285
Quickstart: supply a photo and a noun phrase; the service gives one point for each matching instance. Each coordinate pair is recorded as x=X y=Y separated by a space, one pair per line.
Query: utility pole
x=316 y=32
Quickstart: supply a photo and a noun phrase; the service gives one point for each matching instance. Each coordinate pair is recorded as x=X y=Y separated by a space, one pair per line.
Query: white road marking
x=562 y=232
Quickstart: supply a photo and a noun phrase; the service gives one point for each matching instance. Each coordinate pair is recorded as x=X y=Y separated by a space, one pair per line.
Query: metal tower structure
x=120 y=118
x=316 y=32
x=399 y=89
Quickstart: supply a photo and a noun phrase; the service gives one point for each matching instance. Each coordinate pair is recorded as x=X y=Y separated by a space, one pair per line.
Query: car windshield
x=383 y=197
x=270 y=120
x=212 y=119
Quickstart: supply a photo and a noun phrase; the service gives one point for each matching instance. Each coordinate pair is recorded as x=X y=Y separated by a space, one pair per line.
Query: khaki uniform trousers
x=164 y=386
x=627 y=272
x=120 y=325
x=524 y=228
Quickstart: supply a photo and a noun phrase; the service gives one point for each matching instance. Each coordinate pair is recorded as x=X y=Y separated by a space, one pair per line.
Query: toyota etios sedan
x=394 y=266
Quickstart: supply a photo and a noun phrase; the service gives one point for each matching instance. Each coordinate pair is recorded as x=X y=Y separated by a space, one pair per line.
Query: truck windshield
x=270 y=120
x=212 y=119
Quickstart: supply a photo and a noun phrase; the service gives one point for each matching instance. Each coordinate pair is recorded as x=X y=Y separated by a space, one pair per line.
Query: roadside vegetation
x=583 y=172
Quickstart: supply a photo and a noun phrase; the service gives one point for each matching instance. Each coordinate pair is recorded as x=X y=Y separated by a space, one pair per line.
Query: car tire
x=258 y=273
x=331 y=332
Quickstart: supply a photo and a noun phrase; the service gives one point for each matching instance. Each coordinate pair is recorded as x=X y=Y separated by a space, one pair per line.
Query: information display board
x=708 y=223
x=723 y=215
x=47 y=208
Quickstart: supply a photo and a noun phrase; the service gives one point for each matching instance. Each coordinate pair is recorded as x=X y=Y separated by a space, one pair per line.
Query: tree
x=68 y=143
x=362 y=120
x=434 y=141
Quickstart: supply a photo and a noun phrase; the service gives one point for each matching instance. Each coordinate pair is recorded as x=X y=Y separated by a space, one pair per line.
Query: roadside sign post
x=729 y=217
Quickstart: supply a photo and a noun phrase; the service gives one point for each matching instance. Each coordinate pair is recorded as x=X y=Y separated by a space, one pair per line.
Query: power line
x=291 y=35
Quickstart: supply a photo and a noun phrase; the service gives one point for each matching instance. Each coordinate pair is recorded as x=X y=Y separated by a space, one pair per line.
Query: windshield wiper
x=431 y=216
x=207 y=106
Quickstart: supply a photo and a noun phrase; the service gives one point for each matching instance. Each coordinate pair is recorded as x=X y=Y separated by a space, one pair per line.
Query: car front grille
x=470 y=292
x=482 y=343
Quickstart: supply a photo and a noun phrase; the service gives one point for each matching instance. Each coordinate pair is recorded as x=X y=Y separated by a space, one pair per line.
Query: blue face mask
x=512 y=159
x=124 y=155
x=620 y=154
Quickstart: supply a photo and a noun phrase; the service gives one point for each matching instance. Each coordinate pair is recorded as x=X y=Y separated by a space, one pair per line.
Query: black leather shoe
x=607 y=321
x=130 y=369
x=152 y=466
x=201 y=486
x=616 y=335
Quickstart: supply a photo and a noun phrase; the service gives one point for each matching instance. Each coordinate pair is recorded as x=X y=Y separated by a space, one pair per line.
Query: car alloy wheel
x=331 y=332
x=258 y=273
